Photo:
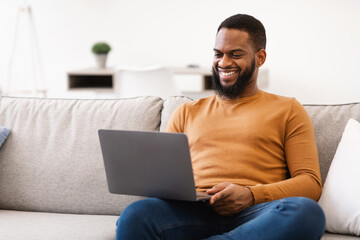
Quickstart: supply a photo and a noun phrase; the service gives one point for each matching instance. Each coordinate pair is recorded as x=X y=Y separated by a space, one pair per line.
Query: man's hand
x=230 y=198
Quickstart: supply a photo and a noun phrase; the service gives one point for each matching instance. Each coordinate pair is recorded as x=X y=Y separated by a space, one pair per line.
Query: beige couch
x=52 y=179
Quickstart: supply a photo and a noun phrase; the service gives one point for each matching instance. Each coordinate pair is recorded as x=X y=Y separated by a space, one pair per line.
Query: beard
x=234 y=91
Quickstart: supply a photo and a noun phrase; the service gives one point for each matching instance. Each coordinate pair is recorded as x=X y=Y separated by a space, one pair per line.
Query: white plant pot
x=101 y=60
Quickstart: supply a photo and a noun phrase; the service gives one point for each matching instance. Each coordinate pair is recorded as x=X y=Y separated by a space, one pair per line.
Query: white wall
x=313 y=46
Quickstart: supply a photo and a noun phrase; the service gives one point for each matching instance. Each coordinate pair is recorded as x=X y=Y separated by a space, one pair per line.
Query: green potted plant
x=101 y=50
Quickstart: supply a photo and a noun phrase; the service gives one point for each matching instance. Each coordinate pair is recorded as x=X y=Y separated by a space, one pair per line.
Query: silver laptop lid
x=152 y=164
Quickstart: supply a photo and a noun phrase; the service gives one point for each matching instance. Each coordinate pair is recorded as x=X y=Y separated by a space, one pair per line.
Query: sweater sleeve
x=177 y=120
x=301 y=158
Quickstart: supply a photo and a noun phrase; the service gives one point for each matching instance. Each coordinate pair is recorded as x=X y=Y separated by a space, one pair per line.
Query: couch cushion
x=169 y=106
x=331 y=236
x=17 y=225
x=341 y=192
x=329 y=122
x=52 y=161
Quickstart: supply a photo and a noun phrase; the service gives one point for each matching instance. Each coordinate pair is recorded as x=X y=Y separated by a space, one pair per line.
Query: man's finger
x=217 y=188
x=223 y=194
x=217 y=197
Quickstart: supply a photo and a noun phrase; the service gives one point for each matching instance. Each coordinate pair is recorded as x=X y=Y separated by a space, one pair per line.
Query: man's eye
x=237 y=55
x=217 y=54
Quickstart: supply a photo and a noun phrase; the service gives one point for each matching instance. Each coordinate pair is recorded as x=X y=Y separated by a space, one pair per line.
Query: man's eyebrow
x=237 y=50
x=233 y=50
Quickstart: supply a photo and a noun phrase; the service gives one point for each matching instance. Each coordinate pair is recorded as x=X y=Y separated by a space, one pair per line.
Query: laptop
x=150 y=164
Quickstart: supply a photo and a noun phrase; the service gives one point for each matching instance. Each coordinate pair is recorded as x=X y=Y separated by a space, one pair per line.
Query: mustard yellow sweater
x=265 y=142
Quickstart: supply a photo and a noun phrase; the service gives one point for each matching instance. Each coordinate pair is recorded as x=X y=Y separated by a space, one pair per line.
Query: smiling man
x=253 y=151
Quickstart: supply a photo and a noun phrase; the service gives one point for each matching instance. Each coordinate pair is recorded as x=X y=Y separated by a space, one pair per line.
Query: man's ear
x=260 y=57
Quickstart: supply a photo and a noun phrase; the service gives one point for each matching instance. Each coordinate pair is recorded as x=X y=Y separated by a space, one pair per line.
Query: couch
x=52 y=178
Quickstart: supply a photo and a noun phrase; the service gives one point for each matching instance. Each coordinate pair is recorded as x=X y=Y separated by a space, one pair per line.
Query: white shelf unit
x=92 y=79
x=192 y=82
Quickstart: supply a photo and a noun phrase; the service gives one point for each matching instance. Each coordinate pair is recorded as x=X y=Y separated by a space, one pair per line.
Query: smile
x=226 y=74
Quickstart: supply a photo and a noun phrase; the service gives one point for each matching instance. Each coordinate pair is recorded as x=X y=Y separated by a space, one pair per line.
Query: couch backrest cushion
x=52 y=159
x=329 y=123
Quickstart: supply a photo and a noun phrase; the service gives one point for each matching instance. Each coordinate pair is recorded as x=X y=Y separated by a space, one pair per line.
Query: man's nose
x=225 y=61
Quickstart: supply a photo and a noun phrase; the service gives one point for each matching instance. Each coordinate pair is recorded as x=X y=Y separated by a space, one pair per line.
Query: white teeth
x=227 y=74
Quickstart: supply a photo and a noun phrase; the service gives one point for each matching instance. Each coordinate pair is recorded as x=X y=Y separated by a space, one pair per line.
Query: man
x=254 y=152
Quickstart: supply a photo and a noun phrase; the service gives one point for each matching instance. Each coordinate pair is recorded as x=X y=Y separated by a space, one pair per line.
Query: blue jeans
x=290 y=218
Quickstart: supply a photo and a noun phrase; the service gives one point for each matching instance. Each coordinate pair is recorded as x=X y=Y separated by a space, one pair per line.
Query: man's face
x=234 y=62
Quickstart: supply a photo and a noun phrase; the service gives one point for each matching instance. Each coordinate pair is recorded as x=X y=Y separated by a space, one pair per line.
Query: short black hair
x=249 y=24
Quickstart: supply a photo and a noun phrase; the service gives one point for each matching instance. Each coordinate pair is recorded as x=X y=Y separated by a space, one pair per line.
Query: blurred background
x=313 y=46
